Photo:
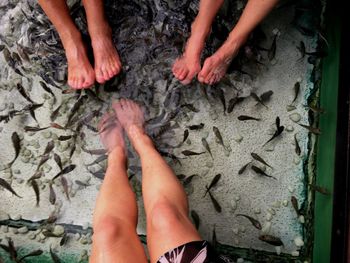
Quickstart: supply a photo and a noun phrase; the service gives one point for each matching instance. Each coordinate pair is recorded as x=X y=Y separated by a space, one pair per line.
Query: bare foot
x=80 y=72
x=111 y=132
x=107 y=61
x=131 y=117
x=215 y=66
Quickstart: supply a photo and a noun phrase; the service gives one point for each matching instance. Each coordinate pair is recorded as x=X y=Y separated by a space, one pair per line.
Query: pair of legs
x=165 y=201
x=214 y=68
x=80 y=72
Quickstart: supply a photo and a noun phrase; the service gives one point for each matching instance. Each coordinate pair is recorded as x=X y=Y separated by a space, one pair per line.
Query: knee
x=165 y=216
x=108 y=230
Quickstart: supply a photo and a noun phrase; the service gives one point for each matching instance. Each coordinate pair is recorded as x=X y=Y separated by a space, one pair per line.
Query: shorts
x=193 y=252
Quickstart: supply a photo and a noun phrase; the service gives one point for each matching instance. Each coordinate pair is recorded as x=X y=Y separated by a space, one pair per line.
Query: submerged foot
x=80 y=72
x=107 y=61
x=111 y=132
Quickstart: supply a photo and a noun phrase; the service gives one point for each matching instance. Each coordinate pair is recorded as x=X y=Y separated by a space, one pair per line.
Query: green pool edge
x=326 y=145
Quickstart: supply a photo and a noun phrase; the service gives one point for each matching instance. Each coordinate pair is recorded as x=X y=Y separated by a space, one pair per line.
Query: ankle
x=100 y=31
x=117 y=155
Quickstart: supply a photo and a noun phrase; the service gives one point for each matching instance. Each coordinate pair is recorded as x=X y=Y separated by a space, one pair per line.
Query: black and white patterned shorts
x=193 y=252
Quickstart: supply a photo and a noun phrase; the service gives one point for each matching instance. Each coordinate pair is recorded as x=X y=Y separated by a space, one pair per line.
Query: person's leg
x=186 y=67
x=115 y=215
x=107 y=61
x=165 y=201
x=80 y=72
x=214 y=67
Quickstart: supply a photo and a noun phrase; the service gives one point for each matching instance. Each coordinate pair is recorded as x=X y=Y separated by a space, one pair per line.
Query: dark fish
x=254 y=222
x=8 y=187
x=272 y=50
x=43 y=160
x=99 y=174
x=196 y=127
x=320 y=189
x=261 y=172
x=189 y=179
x=52 y=195
x=47 y=89
x=16 y=142
x=195 y=218
x=64 y=239
x=316 y=109
x=12 y=250
x=296 y=90
x=49 y=147
x=32 y=109
x=58 y=160
x=54 y=114
x=295 y=205
x=266 y=96
x=36 y=175
x=311 y=129
x=247 y=118
x=214 y=241
x=206 y=146
x=22 y=91
x=257 y=99
x=190 y=107
x=34 y=129
x=302 y=49
x=218 y=135
x=66 y=170
x=65 y=137
x=186 y=133
x=279 y=130
x=2 y=47
x=35 y=186
x=94 y=152
x=80 y=183
x=98 y=160
x=243 y=168
x=72 y=150
x=75 y=108
x=233 y=102
x=65 y=186
x=297 y=147
x=259 y=159
x=272 y=240
x=222 y=98
x=181 y=176
x=213 y=183
x=215 y=203
x=54 y=257
x=57 y=126
x=34 y=253
x=190 y=153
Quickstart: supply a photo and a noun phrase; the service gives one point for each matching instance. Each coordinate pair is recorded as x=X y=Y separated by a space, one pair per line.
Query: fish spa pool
x=266 y=132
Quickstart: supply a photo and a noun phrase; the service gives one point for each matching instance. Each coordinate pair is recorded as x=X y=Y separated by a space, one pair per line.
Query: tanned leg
x=115 y=216
x=80 y=72
x=165 y=200
x=186 y=67
x=107 y=61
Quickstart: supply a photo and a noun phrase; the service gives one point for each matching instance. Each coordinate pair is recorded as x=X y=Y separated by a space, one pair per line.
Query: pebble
x=237 y=137
x=46 y=134
x=54 y=136
x=31 y=236
x=269 y=216
x=290 y=128
x=227 y=153
x=236 y=241
x=3 y=106
x=240 y=260
x=235 y=231
x=257 y=210
x=205 y=172
x=291 y=189
x=23 y=230
x=5 y=229
x=76 y=236
x=213 y=115
x=295 y=253
x=278 y=250
x=209 y=164
x=290 y=107
x=271 y=211
x=205 y=134
x=285 y=203
x=242 y=229
x=188 y=142
x=58 y=230
x=296 y=160
x=295 y=117
x=17 y=171
x=266 y=228
x=302 y=219
x=298 y=241
x=277 y=204
x=270 y=147
x=98 y=187
x=85 y=226
x=17 y=217
x=83 y=240
x=7 y=176
x=14 y=230
x=233 y=205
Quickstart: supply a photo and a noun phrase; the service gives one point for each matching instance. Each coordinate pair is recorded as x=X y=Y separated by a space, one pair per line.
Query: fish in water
x=265 y=97
x=271 y=53
x=65 y=137
x=34 y=129
x=259 y=159
x=80 y=183
x=54 y=114
x=295 y=205
x=214 y=240
x=64 y=183
x=24 y=94
x=315 y=109
x=190 y=107
x=66 y=170
x=64 y=239
x=58 y=160
x=35 y=186
x=243 y=168
x=16 y=142
x=49 y=147
x=206 y=146
x=34 y=253
x=215 y=203
x=8 y=187
x=188 y=180
x=257 y=99
x=213 y=183
x=272 y=240
x=296 y=91
x=98 y=160
x=247 y=118
x=52 y=194
x=191 y=153
x=279 y=130
x=311 y=129
x=196 y=127
x=47 y=89
x=258 y=171
x=218 y=135
x=252 y=220
x=233 y=102
x=54 y=257
x=95 y=151
x=297 y=147
x=186 y=134
x=195 y=218
x=320 y=189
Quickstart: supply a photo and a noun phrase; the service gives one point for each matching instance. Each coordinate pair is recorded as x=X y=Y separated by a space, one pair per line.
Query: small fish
x=34 y=253
x=259 y=159
x=214 y=240
x=36 y=175
x=35 y=186
x=320 y=189
x=75 y=108
x=52 y=195
x=49 y=147
x=213 y=183
x=261 y=172
x=22 y=91
x=64 y=183
x=54 y=257
x=66 y=170
x=315 y=109
x=34 y=129
x=195 y=218
x=189 y=179
x=64 y=239
x=80 y=183
x=54 y=114
x=233 y=102
x=272 y=240
x=222 y=98
x=98 y=160
x=252 y=220
x=243 y=168
x=279 y=130
x=8 y=187
x=12 y=250
x=196 y=127
x=272 y=50
x=218 y=135
x=302 y=49
x=57 y=126
x=47 y=89
x=100 y=174
x=296 y=90
x=266 y=96
x=247 y=118
x=295 y=205
x=191 y=153
x=215 y=203
x=186 y=134
x=297 y=147
x=206 y=146
x=72 y=150
x=43 y=160
x=311 y=129
x=257 y=99
x=65 y=137
x=16 y=142
x=190 y=107
x=58 y=160
x=94 y=152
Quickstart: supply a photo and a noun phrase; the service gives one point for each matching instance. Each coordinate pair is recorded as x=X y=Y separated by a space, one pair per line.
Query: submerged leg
x=186 y=67
x=165 y=200
x=215 y=67
x=80 y=72
x=107 y=61
x=115 y=215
